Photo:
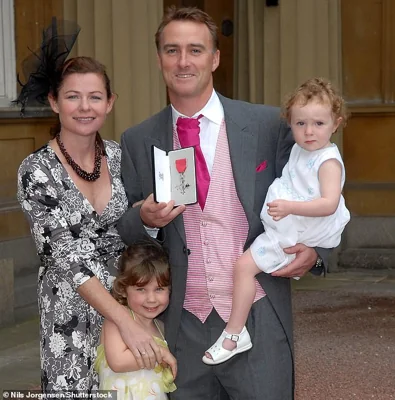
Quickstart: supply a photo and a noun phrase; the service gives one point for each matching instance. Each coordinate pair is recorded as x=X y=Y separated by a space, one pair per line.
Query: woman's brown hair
x=78 y=65
x=140 y=263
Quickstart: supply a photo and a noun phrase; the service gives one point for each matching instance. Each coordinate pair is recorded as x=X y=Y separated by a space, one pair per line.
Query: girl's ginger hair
x=319 y=89
x=140 y=263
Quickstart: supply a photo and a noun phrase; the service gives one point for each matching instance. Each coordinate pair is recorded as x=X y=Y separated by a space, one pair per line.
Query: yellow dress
x=143 y=384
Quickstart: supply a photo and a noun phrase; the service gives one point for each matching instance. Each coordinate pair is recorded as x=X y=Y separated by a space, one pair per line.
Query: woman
x=72 y=214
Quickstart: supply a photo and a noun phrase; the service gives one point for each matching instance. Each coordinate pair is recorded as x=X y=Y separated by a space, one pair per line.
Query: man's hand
x=137 y=203
x=304 y=261
x=279 y=209
x=158 y=215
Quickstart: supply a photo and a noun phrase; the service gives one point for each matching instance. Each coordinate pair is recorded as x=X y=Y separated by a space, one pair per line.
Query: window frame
x=8 y=81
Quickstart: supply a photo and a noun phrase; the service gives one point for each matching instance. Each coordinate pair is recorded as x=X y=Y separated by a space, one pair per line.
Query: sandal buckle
x=234 y=338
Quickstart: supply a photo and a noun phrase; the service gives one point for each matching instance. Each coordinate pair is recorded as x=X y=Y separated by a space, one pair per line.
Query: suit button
x=185 y=250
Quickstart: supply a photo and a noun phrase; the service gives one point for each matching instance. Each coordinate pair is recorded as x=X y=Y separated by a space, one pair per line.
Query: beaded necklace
x=87 y=176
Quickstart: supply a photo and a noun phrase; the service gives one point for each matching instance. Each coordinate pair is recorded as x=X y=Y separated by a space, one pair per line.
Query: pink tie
x=188 y=134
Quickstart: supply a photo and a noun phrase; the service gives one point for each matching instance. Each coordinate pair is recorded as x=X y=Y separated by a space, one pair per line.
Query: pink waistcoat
x=215 y=238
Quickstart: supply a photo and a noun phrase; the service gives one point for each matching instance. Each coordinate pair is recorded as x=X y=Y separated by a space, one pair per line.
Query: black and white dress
x=74 y=244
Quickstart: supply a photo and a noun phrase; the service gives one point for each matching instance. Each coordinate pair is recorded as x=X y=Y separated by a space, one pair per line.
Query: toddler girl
x=304 y=205
x=142 y=286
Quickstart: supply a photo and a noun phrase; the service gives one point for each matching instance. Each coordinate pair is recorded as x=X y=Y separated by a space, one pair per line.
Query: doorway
x=368 y=54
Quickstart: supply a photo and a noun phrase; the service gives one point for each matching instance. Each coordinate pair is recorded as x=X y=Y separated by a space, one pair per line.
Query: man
x=204 y=240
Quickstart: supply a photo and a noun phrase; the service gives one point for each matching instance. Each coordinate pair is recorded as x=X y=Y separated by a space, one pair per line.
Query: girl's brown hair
x=140 y=263
x=316 y=89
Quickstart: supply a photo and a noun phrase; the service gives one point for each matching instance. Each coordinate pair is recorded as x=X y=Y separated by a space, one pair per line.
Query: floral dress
x=74 y=243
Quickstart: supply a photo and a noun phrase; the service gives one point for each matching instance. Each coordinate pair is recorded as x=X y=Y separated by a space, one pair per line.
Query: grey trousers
x=262 y=373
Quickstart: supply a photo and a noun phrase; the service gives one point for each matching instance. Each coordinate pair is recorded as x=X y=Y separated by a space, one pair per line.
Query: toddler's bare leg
x=244 y=291
x=243 y=296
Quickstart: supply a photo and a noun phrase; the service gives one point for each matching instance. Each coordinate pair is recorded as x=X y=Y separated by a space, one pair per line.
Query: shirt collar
x=213 y=111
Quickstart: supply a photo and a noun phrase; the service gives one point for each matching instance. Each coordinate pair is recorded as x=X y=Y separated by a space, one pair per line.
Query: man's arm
x=130 y=226
x=285 y=142
x=145 y=215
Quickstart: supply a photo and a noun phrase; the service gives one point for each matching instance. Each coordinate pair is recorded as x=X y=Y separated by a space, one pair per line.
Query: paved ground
x=345 y=336
x=19 y=356
x=344 y=339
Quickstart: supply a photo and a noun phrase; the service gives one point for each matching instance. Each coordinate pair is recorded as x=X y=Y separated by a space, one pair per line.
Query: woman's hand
x=169 y=360
x=146 y=352
x=140 y=343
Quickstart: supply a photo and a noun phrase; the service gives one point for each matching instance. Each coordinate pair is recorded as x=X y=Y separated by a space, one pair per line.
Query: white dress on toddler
x=299 y=182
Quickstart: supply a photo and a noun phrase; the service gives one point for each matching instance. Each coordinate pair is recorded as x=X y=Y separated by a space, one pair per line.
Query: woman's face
x=82 y=104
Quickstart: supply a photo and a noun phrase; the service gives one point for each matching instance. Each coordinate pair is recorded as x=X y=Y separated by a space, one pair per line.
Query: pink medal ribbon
x=181 y=165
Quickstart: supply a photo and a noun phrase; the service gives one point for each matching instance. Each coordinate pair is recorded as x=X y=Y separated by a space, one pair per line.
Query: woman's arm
x=71 y=256
x=329 y=176
x=120 y=358
x=130 y=225
x=118 y=355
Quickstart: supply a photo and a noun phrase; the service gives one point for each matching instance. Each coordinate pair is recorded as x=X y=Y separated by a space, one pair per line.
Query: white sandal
x=220 y=355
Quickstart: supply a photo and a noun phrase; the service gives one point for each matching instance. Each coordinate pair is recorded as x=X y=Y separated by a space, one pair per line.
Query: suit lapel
x=162 y=137
x=242 y=148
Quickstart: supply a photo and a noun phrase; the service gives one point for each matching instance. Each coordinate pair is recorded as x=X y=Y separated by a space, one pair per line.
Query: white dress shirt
x=210 y=123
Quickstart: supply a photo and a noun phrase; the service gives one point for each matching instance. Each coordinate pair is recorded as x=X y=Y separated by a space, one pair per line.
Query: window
x=7 y=53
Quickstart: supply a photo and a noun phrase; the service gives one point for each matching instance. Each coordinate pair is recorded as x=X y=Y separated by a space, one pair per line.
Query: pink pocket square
x=262 y=166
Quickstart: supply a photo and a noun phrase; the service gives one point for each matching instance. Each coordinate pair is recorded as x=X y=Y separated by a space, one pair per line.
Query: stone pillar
x=120 y=34
x=277 y=48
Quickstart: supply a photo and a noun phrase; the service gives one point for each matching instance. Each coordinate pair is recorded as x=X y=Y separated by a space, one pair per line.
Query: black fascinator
x=42 y=68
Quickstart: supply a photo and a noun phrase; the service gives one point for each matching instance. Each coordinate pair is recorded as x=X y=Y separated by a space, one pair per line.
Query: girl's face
x=82 y=104
x=313 y=124
x=148 y=301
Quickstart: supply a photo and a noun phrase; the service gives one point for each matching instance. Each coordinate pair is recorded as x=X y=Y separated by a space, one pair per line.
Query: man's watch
x=319 y=262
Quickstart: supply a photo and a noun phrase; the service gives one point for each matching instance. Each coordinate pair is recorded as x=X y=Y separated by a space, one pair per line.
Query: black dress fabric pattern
x=74 y=244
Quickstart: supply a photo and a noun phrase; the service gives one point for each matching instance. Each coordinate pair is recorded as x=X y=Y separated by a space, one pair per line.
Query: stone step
x=367 y=258
x=369 y=232
x=25 y=290
x=25 y=296
x=23 y=253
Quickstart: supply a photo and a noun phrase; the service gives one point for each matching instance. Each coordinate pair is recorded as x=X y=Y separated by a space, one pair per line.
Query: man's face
x=187 y=60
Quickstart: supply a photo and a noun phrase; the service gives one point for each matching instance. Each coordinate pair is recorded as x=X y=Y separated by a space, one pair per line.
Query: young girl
x=143 y=287
x=305 y=205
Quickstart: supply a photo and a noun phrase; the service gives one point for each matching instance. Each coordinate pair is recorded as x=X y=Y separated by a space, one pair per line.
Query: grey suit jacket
x=255 y=134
